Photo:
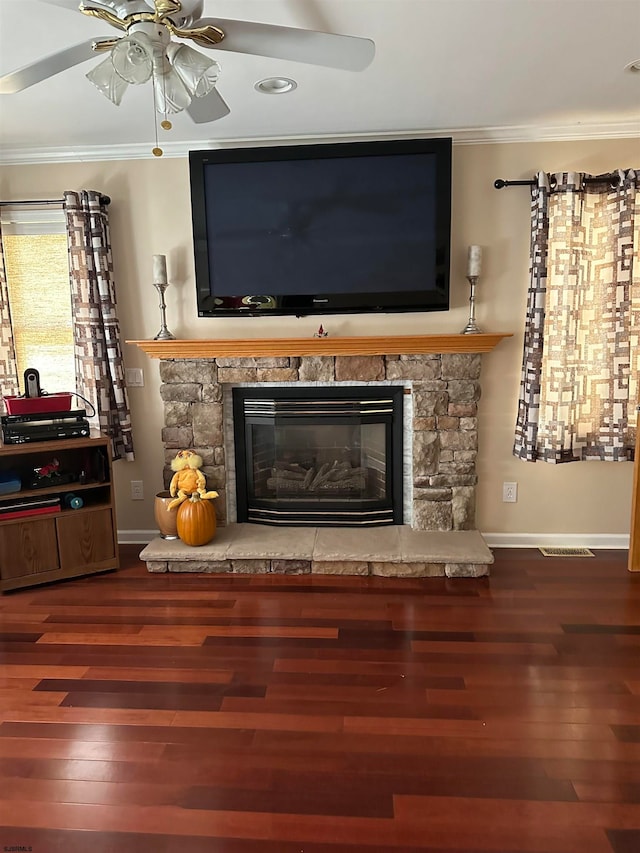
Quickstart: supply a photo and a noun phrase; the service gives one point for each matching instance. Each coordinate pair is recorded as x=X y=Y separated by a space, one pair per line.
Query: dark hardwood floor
x=276 y=714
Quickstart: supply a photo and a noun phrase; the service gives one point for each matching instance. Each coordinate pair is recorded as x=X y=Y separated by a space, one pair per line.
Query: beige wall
x=150 y=214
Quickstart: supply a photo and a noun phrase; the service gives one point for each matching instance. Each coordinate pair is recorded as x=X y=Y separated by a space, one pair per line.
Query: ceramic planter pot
x=166 y=518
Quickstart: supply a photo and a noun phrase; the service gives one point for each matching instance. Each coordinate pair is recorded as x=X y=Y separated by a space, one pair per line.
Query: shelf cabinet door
x=28 y=548
x=86 y=539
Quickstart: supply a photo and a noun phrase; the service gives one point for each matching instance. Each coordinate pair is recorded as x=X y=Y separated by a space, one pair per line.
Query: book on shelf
x=29 y=512
x=29 y=506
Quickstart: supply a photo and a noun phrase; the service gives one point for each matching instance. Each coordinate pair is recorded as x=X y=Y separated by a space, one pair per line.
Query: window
x=37 y=268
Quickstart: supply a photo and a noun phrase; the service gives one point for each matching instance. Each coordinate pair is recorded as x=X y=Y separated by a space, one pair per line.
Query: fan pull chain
x=157 y=151
x=165 y=124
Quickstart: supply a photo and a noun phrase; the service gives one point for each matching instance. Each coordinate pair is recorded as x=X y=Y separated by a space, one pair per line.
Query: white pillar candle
x=474 y=263
x=159 y=269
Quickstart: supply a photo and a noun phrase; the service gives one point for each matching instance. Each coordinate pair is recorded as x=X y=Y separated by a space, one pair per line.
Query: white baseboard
x=616 y=541
x=136 y=537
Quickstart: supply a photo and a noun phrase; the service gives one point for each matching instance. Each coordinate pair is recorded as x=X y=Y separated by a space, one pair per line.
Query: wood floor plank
x=262 y=720
x=524 y=835
x=624 y=840
x=128 y=639
x=78 y=841
x=93 y=716
x=592 y=770
x=28 y=698
x=157 y=674
x=31 y=747
x=607 y=792
x=507 y=729
x=279 y=714
x=346 y=709
x=8 y=683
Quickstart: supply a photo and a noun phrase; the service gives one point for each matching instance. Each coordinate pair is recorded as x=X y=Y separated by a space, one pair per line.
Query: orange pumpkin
x=196 y=521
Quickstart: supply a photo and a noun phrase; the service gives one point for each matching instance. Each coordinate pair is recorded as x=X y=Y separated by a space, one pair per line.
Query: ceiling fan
x=152 y=47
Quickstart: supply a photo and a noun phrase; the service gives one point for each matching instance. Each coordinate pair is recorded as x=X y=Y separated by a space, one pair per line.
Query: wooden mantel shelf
x=269 y=347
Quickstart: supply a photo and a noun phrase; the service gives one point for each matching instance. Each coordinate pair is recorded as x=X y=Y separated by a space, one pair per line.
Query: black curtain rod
x=104 y=199
x=499 y=183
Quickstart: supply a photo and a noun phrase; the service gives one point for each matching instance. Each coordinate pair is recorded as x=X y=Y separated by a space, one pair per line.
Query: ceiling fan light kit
x=198 y=72
x=106 y=81
x=132 y=58
x=184 y=78
x=179 y=72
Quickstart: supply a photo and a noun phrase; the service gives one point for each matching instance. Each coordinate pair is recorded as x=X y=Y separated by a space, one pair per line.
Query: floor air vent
x=566 y=552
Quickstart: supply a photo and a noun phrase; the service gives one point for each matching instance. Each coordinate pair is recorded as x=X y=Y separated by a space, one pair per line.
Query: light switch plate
x=134 y=377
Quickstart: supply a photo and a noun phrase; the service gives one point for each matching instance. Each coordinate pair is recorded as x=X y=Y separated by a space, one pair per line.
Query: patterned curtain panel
x=8 y=370
x=98 y=352
x=581 y=362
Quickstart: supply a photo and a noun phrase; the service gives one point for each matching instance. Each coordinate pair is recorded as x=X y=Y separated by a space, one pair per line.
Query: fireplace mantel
x=365 y=345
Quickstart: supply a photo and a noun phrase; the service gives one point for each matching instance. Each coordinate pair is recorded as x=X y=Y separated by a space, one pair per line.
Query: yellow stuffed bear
x=188 y=478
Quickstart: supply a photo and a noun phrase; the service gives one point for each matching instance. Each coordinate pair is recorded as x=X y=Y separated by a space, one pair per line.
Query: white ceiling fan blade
x=46 y=67
x=74 y=4
x=210 y=107
x=330 y=49
x=66 y=4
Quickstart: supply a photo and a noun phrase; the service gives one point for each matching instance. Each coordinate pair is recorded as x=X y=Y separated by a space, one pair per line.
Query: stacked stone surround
x=445 y=392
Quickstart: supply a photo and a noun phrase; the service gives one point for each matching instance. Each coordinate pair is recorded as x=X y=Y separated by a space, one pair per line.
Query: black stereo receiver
x=44 y=426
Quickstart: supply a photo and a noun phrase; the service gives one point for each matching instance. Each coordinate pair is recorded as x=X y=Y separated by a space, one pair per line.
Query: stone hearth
x=440 y=448
x=384 y=551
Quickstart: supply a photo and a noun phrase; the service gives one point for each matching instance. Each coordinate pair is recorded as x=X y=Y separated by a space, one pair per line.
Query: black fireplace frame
x=346 y=404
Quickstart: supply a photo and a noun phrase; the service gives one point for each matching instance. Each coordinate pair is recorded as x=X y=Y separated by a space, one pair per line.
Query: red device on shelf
x=38 y=405
x=34 y=401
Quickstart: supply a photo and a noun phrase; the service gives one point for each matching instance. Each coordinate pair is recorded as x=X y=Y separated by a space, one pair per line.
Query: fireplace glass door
x=317 y=456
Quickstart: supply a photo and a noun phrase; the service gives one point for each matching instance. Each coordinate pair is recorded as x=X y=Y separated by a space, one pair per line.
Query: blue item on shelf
x=9 y=482
x=73 y=501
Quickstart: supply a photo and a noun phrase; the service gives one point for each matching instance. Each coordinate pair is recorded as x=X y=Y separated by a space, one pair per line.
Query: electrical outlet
x=137 y=490
x=134 y=377
x=509 y=493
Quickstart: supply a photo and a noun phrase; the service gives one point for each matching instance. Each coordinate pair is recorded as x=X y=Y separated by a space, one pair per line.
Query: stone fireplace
x=442 y=438
x=441 y=390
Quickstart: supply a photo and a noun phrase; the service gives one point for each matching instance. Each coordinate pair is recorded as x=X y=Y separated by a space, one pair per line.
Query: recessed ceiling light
x=633 y=66
x=276 y=85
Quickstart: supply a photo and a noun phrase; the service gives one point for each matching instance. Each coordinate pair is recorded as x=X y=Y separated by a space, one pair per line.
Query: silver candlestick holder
x=472 y=328
x=164 y=334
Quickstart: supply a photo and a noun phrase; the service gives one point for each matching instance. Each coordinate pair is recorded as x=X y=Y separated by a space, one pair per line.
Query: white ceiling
x=473 y=69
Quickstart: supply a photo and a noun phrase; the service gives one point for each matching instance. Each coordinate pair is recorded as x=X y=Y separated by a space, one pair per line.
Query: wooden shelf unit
x=39 y=548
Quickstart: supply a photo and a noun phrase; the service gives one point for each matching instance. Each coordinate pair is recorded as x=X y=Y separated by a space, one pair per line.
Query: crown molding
x=579 y=131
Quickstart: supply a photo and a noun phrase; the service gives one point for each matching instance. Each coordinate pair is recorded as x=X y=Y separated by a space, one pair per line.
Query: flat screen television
x=322 y=229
